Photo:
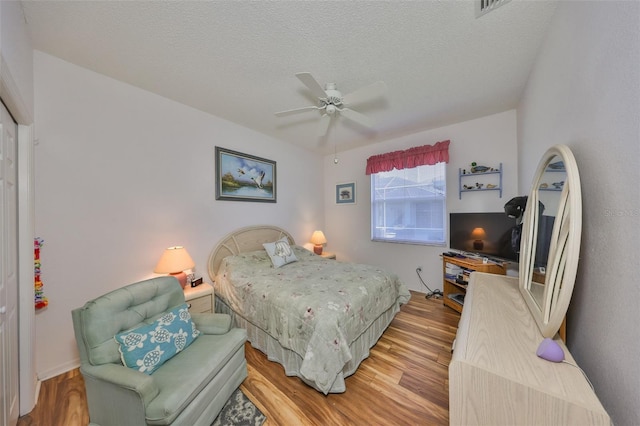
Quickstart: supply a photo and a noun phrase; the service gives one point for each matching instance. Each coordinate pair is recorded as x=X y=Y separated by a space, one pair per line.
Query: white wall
x=15 y=46
x=489 y=140
x=584 y=91
x=122 y=174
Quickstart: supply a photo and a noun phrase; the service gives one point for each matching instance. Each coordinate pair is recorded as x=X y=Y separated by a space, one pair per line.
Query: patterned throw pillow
x=149 y=346
x=280 y=252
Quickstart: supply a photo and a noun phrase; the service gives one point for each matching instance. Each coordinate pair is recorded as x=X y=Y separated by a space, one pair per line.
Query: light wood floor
x=403 y=382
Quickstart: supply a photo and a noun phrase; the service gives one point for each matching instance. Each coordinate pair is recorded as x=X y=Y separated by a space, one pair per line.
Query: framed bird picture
x=244 y=177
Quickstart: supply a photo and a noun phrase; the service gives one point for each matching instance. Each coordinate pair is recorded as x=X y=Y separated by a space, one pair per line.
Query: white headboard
x=243 y=240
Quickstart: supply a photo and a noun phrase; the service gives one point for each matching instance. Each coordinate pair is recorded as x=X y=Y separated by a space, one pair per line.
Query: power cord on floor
x=432 y=293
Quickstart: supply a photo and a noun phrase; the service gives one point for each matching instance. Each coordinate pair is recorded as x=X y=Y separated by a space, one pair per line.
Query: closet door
x=9 y=403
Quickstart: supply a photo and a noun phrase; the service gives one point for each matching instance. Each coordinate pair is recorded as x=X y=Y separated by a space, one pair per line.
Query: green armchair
x=188 y=389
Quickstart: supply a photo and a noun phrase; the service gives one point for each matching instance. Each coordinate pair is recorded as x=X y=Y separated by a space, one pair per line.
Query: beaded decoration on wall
x=41 y=300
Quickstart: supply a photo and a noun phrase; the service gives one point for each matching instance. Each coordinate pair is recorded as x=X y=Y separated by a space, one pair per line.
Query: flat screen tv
x=485 y=234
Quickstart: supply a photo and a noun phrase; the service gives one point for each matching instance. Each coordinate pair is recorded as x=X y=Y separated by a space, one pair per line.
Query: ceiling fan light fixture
x=334 y=104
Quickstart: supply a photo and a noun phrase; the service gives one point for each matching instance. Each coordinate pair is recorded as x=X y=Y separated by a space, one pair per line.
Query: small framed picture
x=346 y=193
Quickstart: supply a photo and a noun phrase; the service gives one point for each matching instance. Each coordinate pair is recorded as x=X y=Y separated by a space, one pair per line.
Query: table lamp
x=478 y=235
x=174 y=261
x=318 y=239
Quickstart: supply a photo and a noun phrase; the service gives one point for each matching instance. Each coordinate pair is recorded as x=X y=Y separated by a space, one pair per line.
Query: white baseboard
x=28 y=401
x=63 y=368
x=37 y=393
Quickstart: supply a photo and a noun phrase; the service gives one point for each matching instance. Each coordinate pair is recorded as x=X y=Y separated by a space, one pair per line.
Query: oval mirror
x=550 y=242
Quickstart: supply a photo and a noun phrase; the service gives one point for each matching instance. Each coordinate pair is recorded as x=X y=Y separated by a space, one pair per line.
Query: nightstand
x=200 y=298
x=328 y=255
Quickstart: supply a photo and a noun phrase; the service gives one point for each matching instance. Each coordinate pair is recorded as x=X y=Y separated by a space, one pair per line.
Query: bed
x=315 y=316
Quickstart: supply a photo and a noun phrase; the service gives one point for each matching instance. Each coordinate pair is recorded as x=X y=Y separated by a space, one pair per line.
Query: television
x=483 y=234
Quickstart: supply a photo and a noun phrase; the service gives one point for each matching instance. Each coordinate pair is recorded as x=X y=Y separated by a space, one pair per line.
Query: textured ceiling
x=237 y=59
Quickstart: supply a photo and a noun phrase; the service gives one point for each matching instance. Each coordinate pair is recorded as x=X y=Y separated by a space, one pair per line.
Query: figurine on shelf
x=480 y=169
x=468 y=187
x=558 y=185
x=491 y=186
x=558 y=165
x=479 y=185
x=544 y=185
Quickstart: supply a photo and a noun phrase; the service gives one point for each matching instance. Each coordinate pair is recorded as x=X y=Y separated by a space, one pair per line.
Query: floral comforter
x=315 y=307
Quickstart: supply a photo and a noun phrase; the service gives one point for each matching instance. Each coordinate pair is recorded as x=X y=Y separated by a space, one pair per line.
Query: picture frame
x=244 y=177
x=346 y=193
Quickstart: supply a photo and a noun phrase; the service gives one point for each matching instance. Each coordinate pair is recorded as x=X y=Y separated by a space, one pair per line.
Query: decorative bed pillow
x=280 y=252
x=149 y=346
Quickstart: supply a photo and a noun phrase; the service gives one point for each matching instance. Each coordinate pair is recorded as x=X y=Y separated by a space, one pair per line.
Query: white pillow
x=280 y=252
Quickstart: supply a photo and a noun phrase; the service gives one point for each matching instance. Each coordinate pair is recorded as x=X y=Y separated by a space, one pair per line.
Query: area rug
x=239 y=411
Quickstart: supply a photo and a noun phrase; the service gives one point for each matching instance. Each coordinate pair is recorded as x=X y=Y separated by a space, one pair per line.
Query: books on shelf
x=452 y=272
x=457 y=274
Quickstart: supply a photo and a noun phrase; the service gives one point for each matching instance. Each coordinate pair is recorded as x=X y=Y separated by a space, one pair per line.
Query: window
x=409 y=205
x=409 y=194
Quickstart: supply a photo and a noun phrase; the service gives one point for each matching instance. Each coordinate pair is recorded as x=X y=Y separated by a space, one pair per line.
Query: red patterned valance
x=409 y=158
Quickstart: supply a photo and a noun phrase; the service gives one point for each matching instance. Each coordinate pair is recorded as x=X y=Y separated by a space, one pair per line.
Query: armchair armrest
x=209 y=323
x=116 y=394
x=124 y=377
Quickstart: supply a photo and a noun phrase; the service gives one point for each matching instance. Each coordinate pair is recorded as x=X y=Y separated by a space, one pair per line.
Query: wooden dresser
x=495 y=376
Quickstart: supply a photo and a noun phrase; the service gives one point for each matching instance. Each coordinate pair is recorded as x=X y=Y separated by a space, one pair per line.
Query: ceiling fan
x=332 y=103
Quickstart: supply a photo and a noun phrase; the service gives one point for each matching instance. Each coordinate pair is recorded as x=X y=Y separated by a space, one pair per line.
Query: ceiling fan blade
x=307 y=79
x=295 y=111
x=357 y=117
x=323 y=126
x=365 y=93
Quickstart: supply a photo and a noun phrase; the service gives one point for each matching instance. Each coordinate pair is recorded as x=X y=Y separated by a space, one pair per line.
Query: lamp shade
x=478 y=234
x=318 y=238
x=174 y=259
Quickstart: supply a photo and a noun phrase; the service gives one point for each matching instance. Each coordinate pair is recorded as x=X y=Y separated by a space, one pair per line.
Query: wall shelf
x=464 y=187
x=554 y=186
